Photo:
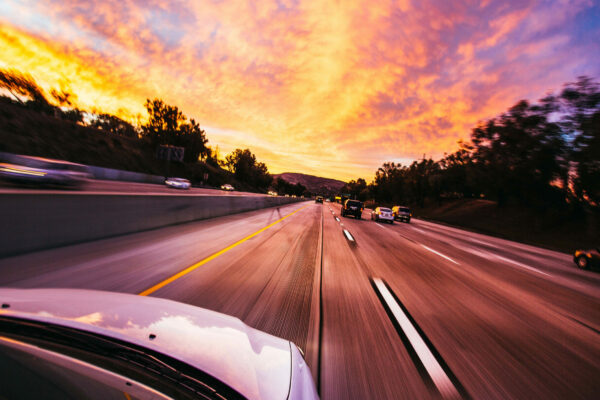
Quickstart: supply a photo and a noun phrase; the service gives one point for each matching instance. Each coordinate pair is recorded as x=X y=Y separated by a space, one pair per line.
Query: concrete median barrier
x=36 y=222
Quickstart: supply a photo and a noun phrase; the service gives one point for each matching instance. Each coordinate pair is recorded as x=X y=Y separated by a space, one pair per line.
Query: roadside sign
x=170 y=153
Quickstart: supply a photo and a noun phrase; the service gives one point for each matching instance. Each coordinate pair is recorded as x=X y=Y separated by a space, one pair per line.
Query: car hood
x=252 y=362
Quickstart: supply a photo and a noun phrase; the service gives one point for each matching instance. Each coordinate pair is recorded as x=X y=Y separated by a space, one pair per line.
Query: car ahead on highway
x=402 y=213
x=587 y=258
x=382 y=214
x=227 y=187
x=178 y=183
x=352 y=207
x=45 y=172
x=318 y=199
x=85 y=344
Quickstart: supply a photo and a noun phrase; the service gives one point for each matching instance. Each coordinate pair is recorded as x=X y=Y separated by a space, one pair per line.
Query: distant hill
x=314 y=184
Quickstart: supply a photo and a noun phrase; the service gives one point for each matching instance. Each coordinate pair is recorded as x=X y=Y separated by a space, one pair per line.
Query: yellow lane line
x=213 y=256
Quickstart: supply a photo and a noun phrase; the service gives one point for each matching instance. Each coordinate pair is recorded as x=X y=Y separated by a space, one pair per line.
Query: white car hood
x=252 y=362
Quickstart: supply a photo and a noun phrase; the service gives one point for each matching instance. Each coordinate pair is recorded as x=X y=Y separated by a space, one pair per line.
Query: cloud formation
x=322 y=87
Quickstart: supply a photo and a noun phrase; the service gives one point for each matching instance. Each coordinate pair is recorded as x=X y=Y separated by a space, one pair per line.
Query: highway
x=97 y=186
x=402 y=311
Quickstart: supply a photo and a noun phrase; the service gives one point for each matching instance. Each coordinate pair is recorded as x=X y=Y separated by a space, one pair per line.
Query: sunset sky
x=331 y=88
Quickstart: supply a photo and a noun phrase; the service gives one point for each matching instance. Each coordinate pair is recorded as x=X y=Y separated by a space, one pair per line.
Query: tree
x=19 y=84
x=114 y=125
x=580 y=107
x=521 y=154
x=168 y=126
x=247 y=169
x=164 y=123
x=357 y=189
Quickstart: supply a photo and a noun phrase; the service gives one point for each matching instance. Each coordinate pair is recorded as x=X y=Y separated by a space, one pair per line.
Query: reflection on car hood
x=252 y=362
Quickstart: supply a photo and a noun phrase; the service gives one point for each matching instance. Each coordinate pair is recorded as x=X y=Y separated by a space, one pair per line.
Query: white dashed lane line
x=491 y=256
x=439 y=254
x=348 y=235
x=439 y=377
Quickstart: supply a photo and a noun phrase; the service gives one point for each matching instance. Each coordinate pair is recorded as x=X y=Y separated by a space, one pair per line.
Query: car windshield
x=385 y=210
x=404 y=209
x=353 y=203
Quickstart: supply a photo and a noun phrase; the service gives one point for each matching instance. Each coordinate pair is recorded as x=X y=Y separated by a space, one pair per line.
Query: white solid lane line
x=439 y=254
x=434 y=369
x=348 y=235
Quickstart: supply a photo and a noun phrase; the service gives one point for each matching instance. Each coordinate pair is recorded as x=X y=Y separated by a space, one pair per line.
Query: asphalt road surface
x=402 y=311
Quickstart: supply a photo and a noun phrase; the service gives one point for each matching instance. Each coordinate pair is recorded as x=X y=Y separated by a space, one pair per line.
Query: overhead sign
x=171 y=153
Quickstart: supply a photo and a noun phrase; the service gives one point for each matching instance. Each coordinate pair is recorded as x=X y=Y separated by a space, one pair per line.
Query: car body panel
x=227 y=187
x=252 y=362
x=382 y=214
x=352 y=207
x=44 y=171
x=178 y=183
x=402 y=213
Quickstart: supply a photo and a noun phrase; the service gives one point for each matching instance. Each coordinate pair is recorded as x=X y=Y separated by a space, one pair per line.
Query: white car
x=44 y=171
x=382 y=214
x=178 y=183
x=227 y=187
x=70 y=343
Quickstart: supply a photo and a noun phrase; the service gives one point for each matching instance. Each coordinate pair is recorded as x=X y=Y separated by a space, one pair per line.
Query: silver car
x=178 y=183
x=44 y=171
x=382 y=214
x=85 y=344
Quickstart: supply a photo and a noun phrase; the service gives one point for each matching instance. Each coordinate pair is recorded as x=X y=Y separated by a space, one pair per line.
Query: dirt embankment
x=554 y=230
x=28 y=132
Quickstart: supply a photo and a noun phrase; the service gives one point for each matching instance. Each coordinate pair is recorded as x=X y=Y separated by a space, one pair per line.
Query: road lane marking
x=213 y=256
x=439 y=377
x=481 y=242
x=487 y=255
x=439 y=254
x=381 y=226
x=420 y=231
x=348 y=235
x=337 y=219
x=508 y=260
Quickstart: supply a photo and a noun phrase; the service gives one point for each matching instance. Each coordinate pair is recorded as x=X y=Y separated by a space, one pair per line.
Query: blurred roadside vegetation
x=33 y=123
x=530 y=174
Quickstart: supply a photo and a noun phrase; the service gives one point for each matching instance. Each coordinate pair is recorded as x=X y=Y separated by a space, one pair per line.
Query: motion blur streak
x=212 y=257
x=501 y=331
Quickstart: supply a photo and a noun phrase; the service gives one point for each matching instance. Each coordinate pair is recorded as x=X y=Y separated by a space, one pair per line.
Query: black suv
x=352 y=207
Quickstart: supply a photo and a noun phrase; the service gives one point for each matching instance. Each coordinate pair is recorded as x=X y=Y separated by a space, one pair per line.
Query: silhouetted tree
x=580 y=120
x=247 y=169
x=114 y=125
x=168 y=126
x=19 y=84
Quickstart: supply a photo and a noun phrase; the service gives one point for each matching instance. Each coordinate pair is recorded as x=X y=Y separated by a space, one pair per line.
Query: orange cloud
x=328 y=88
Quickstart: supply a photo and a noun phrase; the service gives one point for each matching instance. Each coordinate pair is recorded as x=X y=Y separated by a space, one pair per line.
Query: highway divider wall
x=35 y=222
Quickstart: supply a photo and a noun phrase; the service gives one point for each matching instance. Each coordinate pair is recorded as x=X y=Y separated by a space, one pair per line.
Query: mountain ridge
x=314 y=184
